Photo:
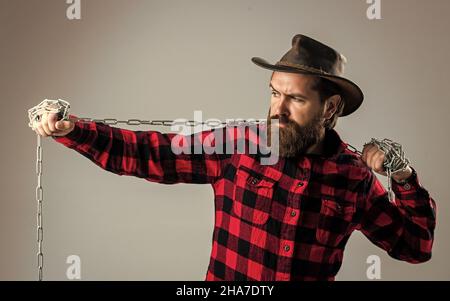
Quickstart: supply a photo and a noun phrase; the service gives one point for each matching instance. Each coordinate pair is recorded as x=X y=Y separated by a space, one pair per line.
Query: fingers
x=377 y=161
x=368 y=150
x=52 y=119
x=371 y=154
x=48 y=125
x=373 y=157
x=39 y=131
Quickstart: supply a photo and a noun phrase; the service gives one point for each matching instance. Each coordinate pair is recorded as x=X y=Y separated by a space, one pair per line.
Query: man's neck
x=318 y=148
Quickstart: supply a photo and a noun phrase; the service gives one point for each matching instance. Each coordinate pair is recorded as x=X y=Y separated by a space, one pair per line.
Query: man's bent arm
x=404 y=229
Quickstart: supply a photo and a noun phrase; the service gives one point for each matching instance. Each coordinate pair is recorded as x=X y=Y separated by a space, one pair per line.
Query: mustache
x=282 y=117
x=283 y=120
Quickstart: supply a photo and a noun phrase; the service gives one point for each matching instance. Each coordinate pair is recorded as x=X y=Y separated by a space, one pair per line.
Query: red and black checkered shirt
x=287 y=221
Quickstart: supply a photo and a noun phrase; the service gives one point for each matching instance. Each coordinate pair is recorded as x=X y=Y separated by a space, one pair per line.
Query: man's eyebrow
x=292 y=95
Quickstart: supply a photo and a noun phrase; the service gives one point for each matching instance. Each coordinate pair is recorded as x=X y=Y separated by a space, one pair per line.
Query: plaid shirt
x=287 y=221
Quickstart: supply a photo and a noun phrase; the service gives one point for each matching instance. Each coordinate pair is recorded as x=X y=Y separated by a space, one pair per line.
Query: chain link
x=353 y=149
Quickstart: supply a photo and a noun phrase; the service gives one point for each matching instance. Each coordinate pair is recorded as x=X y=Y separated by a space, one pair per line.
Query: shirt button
x=293 y=213
x=287 y=248
x=300 y=184
x=407 y=186
x=254 y=181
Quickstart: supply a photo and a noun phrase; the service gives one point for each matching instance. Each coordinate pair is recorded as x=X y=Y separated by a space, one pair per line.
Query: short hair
x=326 y=89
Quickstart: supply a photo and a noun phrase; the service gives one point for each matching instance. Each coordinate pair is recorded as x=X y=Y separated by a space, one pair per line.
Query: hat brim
x=352 y=94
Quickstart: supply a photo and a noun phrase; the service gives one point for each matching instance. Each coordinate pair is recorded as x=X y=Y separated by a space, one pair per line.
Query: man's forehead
x=292 y=82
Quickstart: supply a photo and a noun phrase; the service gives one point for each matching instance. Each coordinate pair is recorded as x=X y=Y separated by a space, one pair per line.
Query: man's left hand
x=374 y=159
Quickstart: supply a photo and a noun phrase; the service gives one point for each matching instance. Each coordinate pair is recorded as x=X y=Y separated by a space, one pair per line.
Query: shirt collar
x=333 y=146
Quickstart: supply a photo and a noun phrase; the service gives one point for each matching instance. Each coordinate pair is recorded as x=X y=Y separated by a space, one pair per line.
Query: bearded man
x=290 y=220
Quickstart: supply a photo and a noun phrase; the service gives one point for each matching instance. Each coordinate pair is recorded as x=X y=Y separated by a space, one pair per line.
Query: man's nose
x=280 y=107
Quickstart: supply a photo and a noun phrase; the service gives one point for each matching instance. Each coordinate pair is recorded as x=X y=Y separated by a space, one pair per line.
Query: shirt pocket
x=335 y=221
x=252 y=196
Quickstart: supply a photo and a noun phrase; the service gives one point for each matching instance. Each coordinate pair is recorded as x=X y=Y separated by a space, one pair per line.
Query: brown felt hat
x=308 y=56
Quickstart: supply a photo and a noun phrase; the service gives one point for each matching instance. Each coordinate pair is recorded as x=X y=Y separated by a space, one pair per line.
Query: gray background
x=165 y=59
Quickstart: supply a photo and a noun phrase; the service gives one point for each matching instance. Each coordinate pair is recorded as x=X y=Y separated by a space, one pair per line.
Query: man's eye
x=274 y=93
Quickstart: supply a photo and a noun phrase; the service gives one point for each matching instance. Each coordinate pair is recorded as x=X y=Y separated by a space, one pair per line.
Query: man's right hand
x=50 y=126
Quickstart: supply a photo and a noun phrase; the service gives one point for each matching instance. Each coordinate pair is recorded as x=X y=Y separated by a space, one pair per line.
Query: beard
x=295 y=139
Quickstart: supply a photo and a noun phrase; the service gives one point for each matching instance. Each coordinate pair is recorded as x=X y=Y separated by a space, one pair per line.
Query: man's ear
x=331 y=105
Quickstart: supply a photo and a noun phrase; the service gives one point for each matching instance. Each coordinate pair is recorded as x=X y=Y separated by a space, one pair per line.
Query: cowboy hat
x=308 y=56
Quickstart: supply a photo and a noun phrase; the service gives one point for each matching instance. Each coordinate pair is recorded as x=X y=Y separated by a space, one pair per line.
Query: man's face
x=297 y=105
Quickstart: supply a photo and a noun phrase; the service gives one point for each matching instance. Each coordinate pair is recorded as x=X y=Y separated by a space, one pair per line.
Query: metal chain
x=61 y=107
x=166 y=122
x=353 y=149
x=394 y=161
x=39 y=199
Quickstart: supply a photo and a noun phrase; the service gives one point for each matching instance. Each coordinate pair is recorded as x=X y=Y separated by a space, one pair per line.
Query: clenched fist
x=374 y=159
x=49 y=125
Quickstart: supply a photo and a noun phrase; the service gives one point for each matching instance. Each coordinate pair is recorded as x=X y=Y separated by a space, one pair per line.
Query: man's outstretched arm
x=144 y=154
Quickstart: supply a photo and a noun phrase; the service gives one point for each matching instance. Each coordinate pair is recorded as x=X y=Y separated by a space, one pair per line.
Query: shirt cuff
x=410 y=189
x=72 y=138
